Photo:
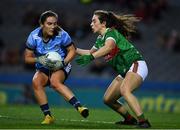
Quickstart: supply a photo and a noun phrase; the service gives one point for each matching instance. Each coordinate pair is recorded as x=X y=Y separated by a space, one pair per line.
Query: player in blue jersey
x=50 y=37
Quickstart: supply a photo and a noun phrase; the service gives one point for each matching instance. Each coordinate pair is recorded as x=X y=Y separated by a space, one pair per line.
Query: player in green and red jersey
x=113 y=45
x=122 y=55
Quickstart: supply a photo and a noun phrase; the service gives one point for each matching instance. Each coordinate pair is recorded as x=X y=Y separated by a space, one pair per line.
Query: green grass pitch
x=29 y=117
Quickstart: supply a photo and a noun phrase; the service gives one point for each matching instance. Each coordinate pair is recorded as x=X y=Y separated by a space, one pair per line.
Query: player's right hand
x=42 y=60
x=84 y=59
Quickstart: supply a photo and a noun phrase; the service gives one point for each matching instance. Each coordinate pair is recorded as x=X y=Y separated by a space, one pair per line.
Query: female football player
x=112 y=44
x=50 y=37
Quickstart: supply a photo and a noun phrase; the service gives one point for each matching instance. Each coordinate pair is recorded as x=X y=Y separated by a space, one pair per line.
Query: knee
x=54 y=84
x=124 y=92
x=36 y=84
x=107 y=100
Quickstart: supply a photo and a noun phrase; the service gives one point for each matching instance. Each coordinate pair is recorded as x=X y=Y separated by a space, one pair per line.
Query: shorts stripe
x=135 y=67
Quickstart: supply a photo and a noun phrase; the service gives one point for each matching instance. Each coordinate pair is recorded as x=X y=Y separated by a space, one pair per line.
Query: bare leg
x=112 y=95
x=39 y=82
x=57 y=80
x=130 y=83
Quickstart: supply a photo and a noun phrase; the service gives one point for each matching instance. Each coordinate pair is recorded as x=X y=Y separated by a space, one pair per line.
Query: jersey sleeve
x=111 y=35
x=96 y=45
x=30 y=43
x=67 y=41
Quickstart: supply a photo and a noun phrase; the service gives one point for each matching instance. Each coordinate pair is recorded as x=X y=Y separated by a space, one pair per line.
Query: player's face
x=96 y=25
x=49 y=26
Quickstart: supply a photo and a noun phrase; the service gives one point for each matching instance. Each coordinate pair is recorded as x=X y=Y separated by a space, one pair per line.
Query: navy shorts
x=48 y=72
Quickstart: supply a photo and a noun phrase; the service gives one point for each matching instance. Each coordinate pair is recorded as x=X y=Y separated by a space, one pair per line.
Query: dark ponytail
x=123 y=23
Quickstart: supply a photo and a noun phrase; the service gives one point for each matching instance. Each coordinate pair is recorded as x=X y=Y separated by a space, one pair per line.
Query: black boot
x=144 y=124
x=132 y=121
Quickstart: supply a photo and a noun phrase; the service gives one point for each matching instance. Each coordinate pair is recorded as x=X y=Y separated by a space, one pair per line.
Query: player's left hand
x=84 y=59
x=50 y=64
x=55 y=65
x=59 y=64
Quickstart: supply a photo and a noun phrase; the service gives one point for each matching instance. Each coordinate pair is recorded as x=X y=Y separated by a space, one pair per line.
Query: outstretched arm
x=87 y=58
x=85 y=52
x=109 y=45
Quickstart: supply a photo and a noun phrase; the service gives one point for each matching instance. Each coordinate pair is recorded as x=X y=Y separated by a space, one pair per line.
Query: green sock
x=141 y=117
x=127 y=116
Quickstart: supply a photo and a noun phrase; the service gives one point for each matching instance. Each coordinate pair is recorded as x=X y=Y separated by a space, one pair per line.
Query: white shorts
x=139 y=67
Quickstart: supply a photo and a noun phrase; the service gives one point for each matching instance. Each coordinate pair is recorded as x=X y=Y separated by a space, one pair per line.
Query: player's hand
x=42 y=60
x=84 y=59
x=56 y=65
x=59 y=65
x=50 y=64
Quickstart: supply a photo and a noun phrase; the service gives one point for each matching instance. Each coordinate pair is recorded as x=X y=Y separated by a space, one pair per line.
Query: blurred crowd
x=170 y=40
x=150 y=11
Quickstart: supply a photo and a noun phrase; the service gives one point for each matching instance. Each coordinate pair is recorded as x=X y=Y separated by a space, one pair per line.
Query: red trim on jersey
x=112 y=54
x=135 y=67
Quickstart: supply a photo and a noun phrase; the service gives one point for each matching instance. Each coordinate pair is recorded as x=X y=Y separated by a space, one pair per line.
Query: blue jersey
x=57 y=43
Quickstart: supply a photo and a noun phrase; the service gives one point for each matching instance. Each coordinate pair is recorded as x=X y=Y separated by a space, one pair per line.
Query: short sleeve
x=94 y=47
x=112 y=35
x=66 y=39
x=30 y=43
x=97 y=43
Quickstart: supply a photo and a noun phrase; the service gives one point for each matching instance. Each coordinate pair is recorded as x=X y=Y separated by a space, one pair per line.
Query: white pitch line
x=8 y=117
x=73 y=120
x=1 y=116
x=100 y=122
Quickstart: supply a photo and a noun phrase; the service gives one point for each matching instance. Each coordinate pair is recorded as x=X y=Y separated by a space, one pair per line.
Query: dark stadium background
x=158 y=39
